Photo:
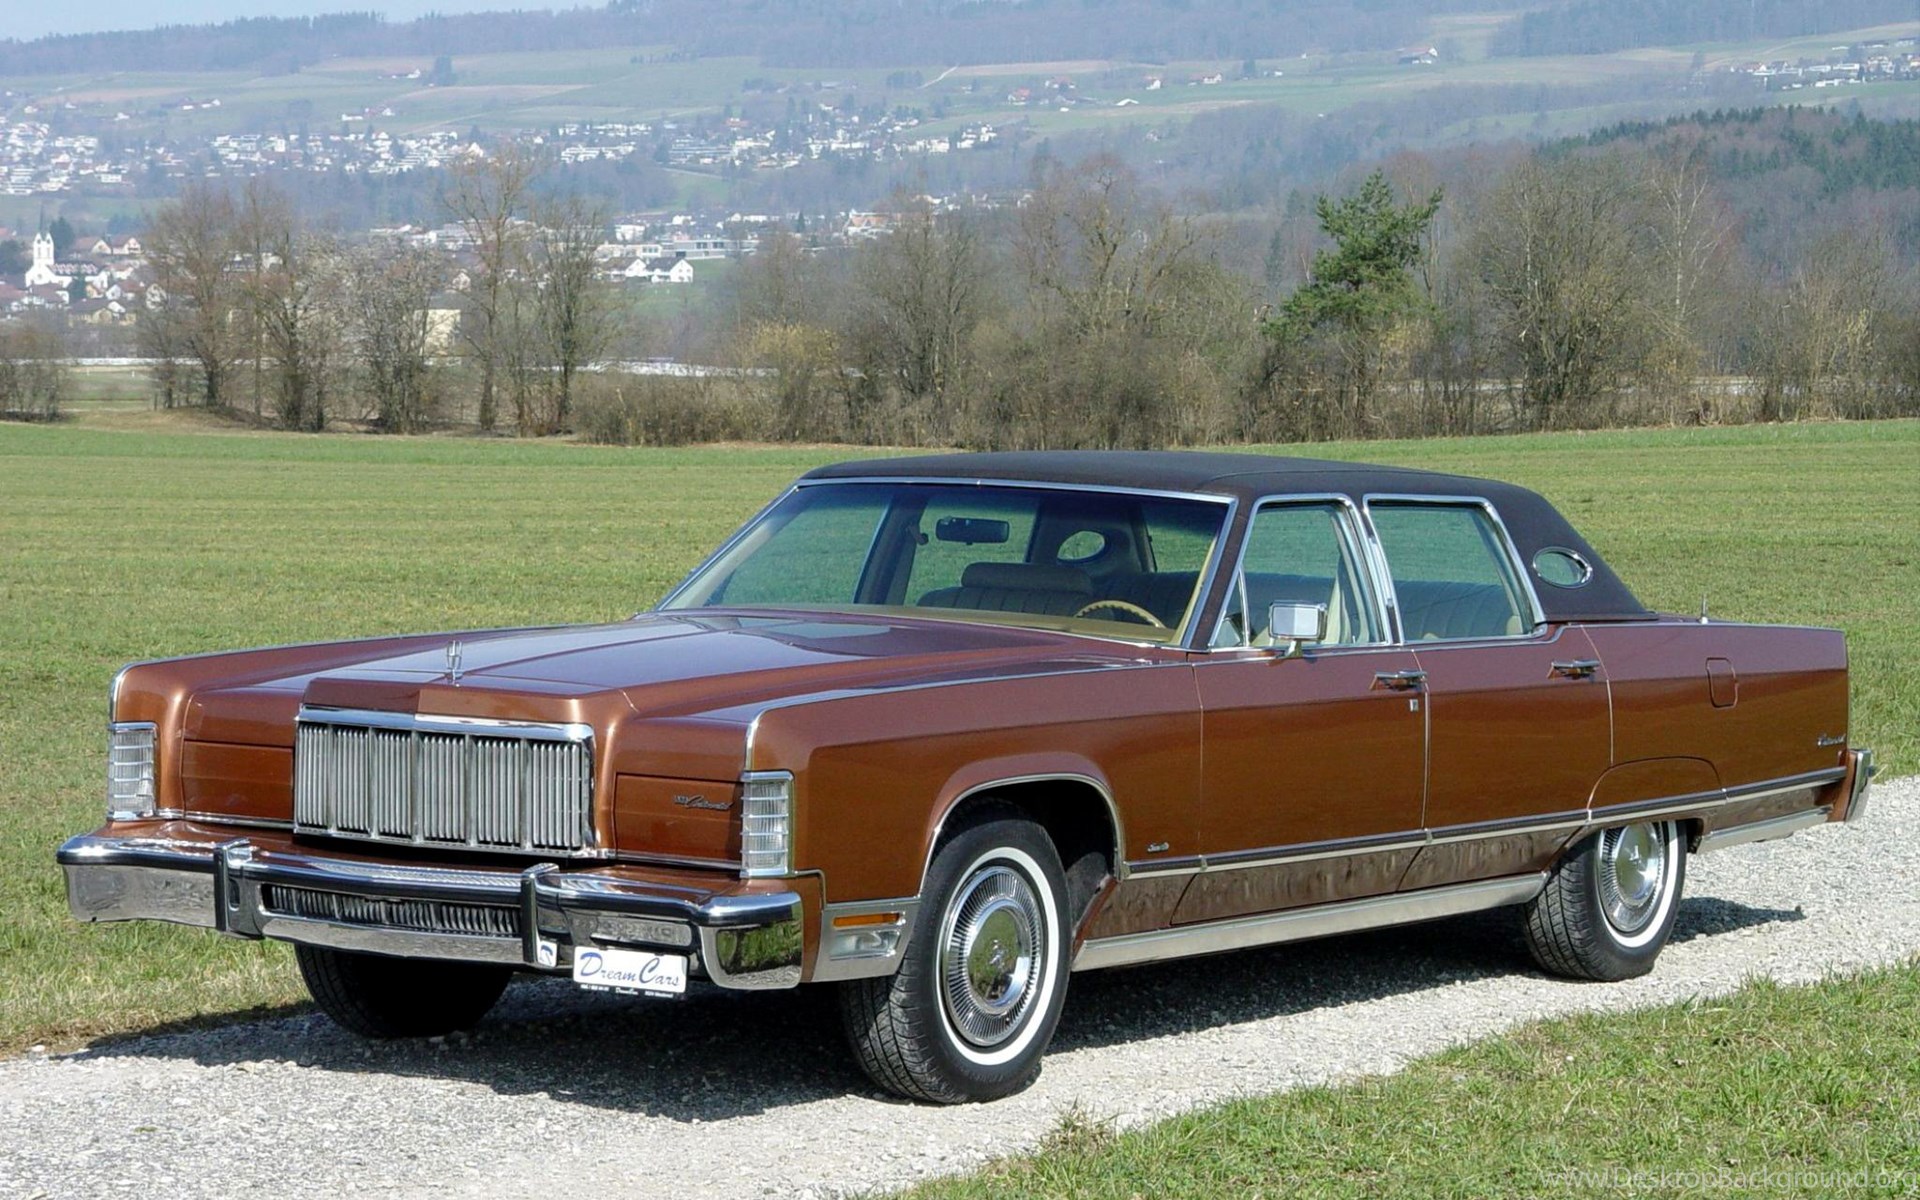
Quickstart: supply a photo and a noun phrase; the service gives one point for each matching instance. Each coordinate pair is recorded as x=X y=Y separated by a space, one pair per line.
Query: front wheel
x=1609 y=905
x=380 y=997
x=972 y=1008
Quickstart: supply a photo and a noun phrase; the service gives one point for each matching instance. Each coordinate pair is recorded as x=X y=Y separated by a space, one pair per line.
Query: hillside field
x=155 y=537
x=539 y=89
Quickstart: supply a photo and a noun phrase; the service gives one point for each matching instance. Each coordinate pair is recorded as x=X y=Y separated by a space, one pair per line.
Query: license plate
x=605 y=968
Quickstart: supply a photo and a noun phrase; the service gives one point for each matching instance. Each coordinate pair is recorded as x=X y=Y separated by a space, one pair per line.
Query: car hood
x=667 y=664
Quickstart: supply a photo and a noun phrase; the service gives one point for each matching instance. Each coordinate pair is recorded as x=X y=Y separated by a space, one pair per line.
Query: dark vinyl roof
x=1533 y=523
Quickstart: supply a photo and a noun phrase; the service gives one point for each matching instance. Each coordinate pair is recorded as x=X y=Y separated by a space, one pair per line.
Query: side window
x=1300 y=554
x=1452 y=575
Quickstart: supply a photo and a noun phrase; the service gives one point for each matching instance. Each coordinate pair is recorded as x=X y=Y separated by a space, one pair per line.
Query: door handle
x=1400 y=681
x=1579 y=668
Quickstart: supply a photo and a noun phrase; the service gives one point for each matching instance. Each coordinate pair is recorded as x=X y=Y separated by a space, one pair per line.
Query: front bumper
x=264 y=887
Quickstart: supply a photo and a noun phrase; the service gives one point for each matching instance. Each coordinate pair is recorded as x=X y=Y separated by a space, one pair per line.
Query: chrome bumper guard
x=1863 y=773
x=532 y=918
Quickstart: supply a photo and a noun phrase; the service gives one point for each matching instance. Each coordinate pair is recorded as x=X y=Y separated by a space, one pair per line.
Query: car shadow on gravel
x=1108 y=1007
x=722 y=1054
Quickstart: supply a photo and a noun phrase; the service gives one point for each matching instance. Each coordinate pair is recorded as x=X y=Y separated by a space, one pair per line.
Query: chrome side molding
x=1763 y=831
x=1299 y=924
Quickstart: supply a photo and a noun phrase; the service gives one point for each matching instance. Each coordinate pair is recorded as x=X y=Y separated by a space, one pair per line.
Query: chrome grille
x=421 y=916
x=444 y=781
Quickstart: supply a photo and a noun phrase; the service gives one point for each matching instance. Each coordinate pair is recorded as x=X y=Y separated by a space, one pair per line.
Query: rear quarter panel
x=1788 y=693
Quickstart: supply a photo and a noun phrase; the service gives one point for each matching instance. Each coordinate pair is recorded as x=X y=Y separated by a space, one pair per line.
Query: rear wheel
x=381 y=997
x=1608 y=906
x=975 y=1003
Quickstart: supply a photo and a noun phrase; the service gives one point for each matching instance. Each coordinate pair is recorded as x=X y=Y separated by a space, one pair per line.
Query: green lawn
x=1773 y=1091
x=140 y=542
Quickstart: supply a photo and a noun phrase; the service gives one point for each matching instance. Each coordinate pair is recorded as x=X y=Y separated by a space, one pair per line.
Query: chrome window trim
x=1356 y=534
x=1203 y=584
x=1511 y=549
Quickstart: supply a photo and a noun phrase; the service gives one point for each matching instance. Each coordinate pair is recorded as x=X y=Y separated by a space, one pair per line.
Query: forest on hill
x=1793 y=175
x=796 y=33
x=874 y=33
x=1600 y=26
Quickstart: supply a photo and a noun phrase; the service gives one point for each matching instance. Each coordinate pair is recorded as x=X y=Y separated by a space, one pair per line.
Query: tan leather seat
x=1433 y=611
x=1016 y=588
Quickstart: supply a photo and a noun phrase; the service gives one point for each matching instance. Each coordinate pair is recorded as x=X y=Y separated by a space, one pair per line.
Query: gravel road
x=747 y=1095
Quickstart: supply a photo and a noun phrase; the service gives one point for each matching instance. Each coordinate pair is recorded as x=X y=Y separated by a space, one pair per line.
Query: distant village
x=37 y=159
x=105 y=281
x=1876 y=62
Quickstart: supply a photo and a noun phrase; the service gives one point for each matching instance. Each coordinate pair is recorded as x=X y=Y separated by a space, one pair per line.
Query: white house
x=660 y=270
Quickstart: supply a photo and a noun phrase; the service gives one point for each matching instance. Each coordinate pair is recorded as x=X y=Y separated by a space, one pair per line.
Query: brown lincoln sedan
x=940 y=731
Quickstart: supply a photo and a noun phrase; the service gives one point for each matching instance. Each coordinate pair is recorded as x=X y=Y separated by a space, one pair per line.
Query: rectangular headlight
x=130 y=786
x=766 y=823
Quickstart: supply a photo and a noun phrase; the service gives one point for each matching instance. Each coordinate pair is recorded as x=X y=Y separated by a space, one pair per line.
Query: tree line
x=790 y=33
x=1601 y=26
x=1595 y=282
x=1560 y=290
x=258 y=311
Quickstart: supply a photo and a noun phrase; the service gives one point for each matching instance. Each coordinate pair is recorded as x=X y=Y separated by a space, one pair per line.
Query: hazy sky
x=31 y=19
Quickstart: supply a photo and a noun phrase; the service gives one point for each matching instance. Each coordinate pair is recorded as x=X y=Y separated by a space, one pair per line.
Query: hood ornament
x=453 y=662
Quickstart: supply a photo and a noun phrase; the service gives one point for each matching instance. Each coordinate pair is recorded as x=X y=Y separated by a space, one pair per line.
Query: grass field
x=1772 y=1091
x=144 y=540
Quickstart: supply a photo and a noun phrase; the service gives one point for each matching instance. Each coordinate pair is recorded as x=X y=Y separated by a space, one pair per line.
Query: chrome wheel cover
x=1633 y=873
x=993 y=948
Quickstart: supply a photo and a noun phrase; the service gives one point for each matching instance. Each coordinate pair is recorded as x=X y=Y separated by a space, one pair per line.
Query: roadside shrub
x=33 y=373
x=645 y=410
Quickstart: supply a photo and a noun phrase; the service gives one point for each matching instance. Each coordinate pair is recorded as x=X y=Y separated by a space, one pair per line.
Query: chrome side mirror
x=1294 y=626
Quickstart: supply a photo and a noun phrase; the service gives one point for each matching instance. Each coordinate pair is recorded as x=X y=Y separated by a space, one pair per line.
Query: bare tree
x=1819 y=352
x=488 y=197
x=779 y=284
x=1098 y=249
x=919 y=293
x=1692 y=235
x=191 y=249
x=1567 y=278
x=290 y=315
x=393 y=332
x=264 y=224
x=574 y=312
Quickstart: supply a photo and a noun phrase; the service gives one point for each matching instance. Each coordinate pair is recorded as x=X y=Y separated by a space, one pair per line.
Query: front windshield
x=1109 y=564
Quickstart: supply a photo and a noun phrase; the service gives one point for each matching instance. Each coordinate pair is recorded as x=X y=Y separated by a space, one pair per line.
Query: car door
x=1519 y=729
x=1312 y=764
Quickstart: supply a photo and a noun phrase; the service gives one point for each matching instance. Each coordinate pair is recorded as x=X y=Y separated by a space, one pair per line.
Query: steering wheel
x=1125 y=607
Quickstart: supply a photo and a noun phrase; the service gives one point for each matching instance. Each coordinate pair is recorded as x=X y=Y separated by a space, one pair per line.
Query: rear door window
x=1453 y=577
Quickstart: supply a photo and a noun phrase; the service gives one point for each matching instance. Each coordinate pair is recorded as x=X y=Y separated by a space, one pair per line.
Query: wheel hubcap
x=992 y=954
x=1633 y=874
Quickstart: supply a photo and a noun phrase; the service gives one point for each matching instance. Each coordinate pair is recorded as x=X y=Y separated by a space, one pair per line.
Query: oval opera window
x=1561 y=567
